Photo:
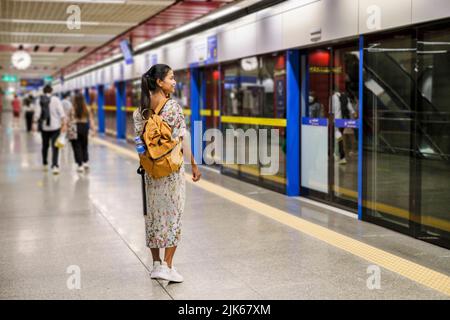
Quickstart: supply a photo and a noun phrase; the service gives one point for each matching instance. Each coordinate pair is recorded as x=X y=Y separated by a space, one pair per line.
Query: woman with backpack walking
x=166 y=195
x=81 y=120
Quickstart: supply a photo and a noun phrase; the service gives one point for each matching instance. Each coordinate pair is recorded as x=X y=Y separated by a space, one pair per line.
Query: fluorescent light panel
x=64 y=22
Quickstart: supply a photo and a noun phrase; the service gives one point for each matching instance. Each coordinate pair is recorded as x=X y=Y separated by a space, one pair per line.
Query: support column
x=120 y=109
x=87 y=97
x=293 y=123
x=101 y=108
x=360 y=124
x=202 y=101
x=196 y=124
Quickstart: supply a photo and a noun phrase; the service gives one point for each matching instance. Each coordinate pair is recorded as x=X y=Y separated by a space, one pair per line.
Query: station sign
x=346 y=123
x=32 y=83
x=9 y=78
x=204 y=52
x=315 y=122
x=212 y=49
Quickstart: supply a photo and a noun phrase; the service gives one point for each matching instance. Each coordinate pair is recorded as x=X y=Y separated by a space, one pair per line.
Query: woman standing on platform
x=81 y=120
x=165 y=196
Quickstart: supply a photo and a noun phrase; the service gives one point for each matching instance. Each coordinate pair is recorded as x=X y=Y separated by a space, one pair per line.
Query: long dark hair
x=79 y=106
x=148 y=83
x=28 y=100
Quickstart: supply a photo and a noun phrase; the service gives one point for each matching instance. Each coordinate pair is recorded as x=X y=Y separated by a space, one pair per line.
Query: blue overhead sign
x=33 y=83
x=126 y=50
x=212 y=49
x=316 y=122
x=346 y=123
x=205 y=52
x=153 y=59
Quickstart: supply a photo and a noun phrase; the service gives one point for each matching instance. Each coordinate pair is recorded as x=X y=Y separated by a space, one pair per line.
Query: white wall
x=426 y=10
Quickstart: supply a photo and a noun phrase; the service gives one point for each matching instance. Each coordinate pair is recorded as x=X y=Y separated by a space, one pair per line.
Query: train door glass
x=329 y=126
x=209 y=100
x=254 y=89
x=433 y=132
x=110 y=110
x=406 y=132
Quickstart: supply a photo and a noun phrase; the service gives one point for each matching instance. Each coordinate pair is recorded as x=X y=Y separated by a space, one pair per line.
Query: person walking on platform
x=81 y=120
x=29 y=111
x=16 y=106
x=51 y=121
x=165 y=197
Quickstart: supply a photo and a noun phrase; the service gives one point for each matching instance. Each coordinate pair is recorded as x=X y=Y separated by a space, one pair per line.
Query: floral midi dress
x=165 y=196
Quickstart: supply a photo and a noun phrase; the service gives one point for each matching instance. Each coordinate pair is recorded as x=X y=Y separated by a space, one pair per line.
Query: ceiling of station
x=41 y=28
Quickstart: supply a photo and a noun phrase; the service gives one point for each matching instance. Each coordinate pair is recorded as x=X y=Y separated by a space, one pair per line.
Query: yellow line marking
x=209 y=112
x=408 y=269
x=405 y=214
x=205 y=112
x=255 y=172
x=436 y=222
x=254 y=121
x=187 y=112
x=346 y=192
x=130 y=109
x=395 y=211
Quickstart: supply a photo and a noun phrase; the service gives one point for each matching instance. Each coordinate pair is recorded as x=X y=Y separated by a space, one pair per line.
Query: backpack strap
x=161 y=105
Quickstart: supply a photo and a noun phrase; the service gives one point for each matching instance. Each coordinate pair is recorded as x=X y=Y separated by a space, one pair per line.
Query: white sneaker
x=85 y=165
x=343 y=161
x=161 y=271
x=80 y=169
x=166 y=273
x=45 y=167
x=175 y=276
x=155 y=270
x=55 y=170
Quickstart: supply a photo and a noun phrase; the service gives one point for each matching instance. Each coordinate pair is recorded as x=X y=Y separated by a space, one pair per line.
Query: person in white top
x=29 y=111
x=67 y=104
x=51 y=118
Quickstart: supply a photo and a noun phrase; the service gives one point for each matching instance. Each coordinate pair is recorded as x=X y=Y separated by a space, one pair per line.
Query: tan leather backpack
x=164 y=154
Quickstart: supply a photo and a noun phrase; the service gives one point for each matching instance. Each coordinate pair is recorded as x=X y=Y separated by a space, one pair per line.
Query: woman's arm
x=196 y=174
x=91 y=119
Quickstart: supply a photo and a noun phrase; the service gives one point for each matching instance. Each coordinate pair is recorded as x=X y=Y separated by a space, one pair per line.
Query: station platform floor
x=239 y=241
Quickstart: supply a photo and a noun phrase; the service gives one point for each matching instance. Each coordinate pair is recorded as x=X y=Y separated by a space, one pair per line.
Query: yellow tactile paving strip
x=413 y=271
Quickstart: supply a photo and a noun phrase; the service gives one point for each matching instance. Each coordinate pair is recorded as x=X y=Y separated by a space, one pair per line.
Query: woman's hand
x=195 y=173
x=64 y=127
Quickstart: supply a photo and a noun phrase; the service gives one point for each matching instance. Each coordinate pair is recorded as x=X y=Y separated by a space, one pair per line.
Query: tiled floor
x=94 y=221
